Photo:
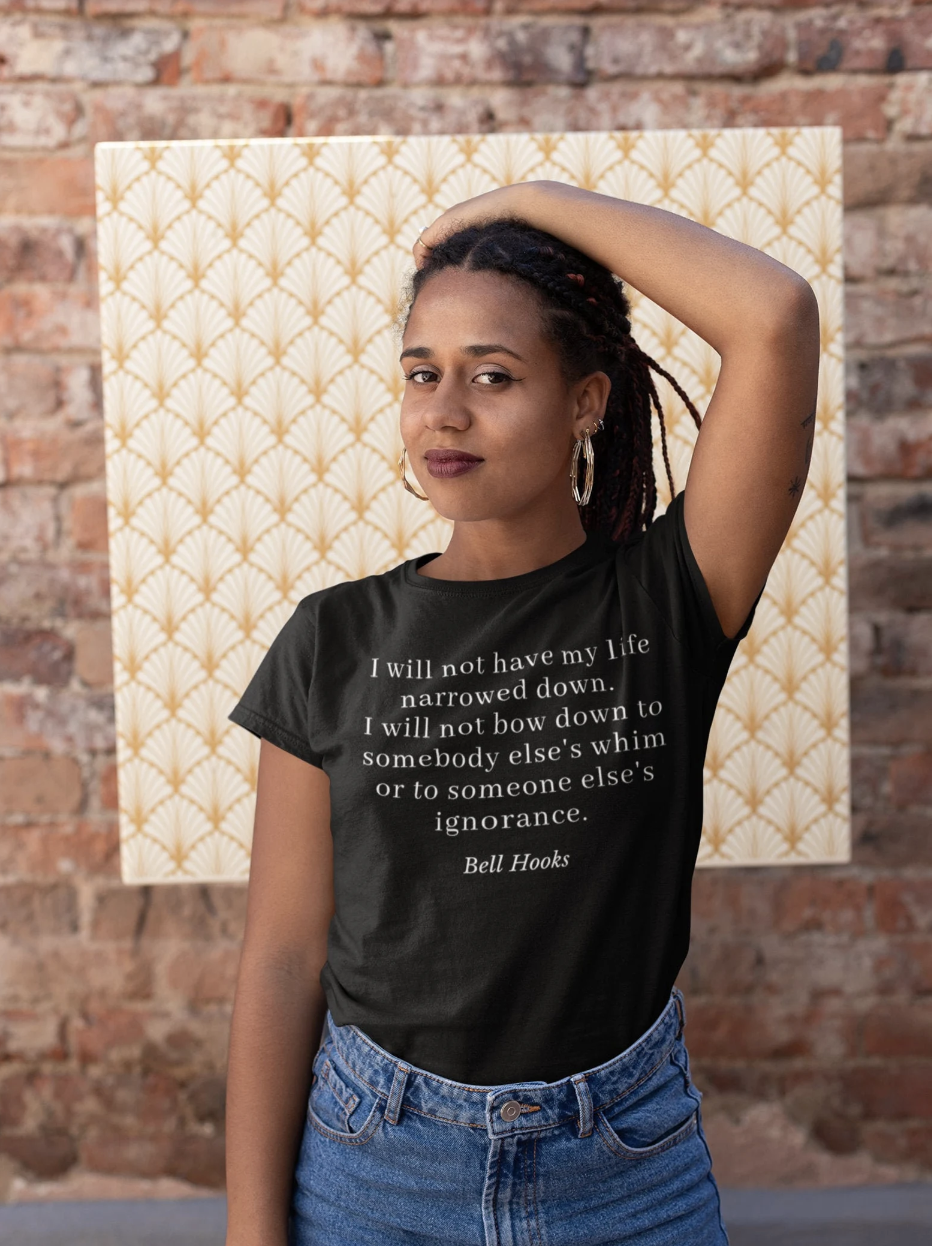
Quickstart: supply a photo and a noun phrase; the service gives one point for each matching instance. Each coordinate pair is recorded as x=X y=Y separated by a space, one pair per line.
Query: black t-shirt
x=516 y=781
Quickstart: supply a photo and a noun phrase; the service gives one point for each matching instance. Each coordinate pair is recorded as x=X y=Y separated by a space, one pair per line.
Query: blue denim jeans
x=614 y=1155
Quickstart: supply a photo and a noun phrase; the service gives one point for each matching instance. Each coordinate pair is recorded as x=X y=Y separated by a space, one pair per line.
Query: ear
x=591 y=399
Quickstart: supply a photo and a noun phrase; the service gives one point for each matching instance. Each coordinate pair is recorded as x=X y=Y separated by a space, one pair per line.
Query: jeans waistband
x=513 y=1107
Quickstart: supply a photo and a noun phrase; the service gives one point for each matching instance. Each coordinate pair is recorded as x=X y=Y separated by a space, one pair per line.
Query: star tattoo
x=795 y=486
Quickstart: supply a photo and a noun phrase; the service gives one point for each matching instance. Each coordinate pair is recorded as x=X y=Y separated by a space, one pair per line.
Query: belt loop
x=584 y=1095
x=680 y=1008
x=396 y=1094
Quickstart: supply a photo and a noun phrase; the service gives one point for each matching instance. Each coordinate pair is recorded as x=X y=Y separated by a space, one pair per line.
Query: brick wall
x=809 y=991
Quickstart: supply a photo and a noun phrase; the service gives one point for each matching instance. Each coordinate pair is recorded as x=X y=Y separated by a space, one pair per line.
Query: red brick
x=390 y=110
x=891 y=240
x=601 y=106
x=37 y=253
x=27 y=1034
x=47 y=186
x=904 y=906
x=37 y=117
x=906 y=645
x=869 y=772
x=344 y=52
x=779 y=4
x=833 y=904
x=44 y=1155
x=270 y=9
x=87 y=522
x=898 y=1030
x=128 y=1156
x=93 y=660
x=490 y=52
x=48 y=318
x=34 y=910
x=855 y=41
x=915 y=956
x=895 y=172
x=857 y=109
x=721 y=967
x=909 y=1143
x=56 y=719
x=891 y=839
x=889 y=383
x=80 y=393
x=40 y=6
x=202 y=976
x=41 y=656
x=591 y=6
x=733 y=903
x=118 y=913
x=28 y=387
x=200 y=1160
x=159 y=113
x=753 y=1030
x=897 y=515
x=74 y=846
x=891 y=582
x=860 y=646
x=912 y=106
x=751 y=45
x=400 y=8
x=36 y=590
x=107 y=788
x=886 y=713
x=75 y=976
x=180 y=913
x=889 y=312
x=900 y=445
x=106 y=1033
x=27 y=521
x=55 y=454
x=89 y=52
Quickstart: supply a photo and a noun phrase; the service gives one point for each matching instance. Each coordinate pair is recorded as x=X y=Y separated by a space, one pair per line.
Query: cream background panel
x=251 y=393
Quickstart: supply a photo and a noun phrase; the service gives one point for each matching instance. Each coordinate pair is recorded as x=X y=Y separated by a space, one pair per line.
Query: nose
x=446 y=408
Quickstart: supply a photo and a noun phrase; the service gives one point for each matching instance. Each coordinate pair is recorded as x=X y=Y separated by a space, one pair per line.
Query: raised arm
x=752 y=454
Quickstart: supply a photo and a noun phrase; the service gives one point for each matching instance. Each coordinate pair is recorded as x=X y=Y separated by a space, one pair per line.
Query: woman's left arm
x=752 y=453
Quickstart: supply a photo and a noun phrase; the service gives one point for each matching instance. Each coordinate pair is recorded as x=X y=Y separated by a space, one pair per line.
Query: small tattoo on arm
x=795 y=486
x=809 y=418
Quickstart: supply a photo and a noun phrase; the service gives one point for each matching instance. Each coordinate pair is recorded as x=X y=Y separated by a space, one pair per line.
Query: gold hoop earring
x=583 y=444
x=401 y=468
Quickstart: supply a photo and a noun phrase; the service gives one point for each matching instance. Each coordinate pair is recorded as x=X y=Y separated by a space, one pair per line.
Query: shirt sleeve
x=662 y=561
x=276 y=702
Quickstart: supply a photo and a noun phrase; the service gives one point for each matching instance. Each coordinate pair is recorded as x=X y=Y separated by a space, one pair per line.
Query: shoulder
x=350 y=595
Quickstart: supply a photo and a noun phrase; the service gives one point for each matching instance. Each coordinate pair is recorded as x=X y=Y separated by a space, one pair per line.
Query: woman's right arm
x=279 y=1006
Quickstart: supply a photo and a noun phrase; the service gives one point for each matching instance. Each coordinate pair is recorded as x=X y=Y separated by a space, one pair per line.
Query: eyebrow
x=474 y=351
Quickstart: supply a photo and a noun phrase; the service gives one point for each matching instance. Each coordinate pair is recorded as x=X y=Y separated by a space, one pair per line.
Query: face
x=482 y=379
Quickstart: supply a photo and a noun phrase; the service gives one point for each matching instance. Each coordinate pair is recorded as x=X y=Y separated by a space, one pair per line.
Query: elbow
x=794 y=318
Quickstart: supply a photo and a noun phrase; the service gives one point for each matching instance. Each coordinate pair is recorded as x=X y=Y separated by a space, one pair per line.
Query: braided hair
x=586 y=316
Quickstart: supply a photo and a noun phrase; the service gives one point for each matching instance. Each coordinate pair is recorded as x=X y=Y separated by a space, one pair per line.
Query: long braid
x=587 y=314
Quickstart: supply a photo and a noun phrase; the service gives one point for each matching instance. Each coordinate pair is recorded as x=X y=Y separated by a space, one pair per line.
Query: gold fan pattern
x=251 y=394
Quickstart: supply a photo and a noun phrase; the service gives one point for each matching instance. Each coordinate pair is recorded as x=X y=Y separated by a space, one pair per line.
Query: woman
x=480 y=784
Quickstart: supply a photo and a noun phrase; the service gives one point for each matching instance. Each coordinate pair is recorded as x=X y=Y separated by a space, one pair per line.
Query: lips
x=449 y=462
x=447 y=456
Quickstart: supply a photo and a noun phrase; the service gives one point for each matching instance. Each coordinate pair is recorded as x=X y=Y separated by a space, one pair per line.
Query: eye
x=416 y=372
x=497 y=376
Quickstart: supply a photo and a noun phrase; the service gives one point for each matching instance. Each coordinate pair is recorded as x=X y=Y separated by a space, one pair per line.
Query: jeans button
x=510 y=1110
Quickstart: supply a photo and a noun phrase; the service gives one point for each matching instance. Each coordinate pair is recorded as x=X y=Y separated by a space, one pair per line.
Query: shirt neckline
x=596 y=547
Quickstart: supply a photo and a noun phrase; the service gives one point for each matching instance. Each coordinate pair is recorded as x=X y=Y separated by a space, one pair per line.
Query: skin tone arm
x=279 y=1007
x=752 y=453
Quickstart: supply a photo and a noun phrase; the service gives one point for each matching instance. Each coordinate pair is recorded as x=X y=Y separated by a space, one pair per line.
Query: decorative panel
x=251 y=390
